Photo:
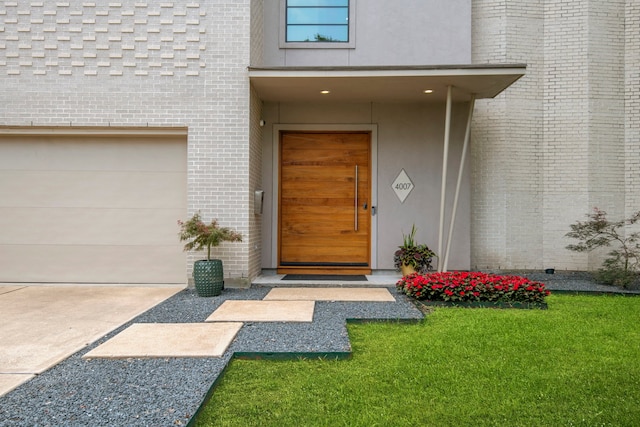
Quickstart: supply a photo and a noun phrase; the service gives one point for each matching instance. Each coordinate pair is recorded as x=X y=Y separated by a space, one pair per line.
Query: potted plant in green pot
x=412 y=257
x=208 y=275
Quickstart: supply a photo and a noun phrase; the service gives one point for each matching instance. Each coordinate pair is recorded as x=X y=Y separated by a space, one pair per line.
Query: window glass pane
x=318 y=3
x=317 y=21
x=317 y=33
x=316 y=15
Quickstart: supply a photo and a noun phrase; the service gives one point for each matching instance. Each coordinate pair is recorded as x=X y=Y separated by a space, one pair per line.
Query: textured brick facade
x=561 y=141
x=100 y=38
x=632 y=107
x=506 y=154
x=255 y=144
x=132 y=63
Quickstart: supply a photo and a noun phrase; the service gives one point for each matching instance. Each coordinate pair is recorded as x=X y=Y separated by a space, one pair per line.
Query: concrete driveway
x=41 y=325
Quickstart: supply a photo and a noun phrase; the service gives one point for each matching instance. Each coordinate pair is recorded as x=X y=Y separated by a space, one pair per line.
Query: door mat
x=335 y=277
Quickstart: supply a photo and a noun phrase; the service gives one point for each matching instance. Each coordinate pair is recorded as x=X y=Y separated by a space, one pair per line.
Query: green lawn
x=575 y=364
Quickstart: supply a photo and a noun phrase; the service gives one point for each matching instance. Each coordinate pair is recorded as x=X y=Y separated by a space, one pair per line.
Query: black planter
x=208 y=277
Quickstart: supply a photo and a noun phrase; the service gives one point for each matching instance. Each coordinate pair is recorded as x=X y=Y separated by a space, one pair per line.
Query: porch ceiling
x=383 y=84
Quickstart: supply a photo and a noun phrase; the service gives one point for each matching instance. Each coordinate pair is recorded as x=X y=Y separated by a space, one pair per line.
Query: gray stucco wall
x=410 y=32
x=409 y=137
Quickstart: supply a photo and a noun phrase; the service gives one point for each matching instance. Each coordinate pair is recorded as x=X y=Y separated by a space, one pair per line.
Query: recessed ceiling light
x=324 y=92
x=428 y=91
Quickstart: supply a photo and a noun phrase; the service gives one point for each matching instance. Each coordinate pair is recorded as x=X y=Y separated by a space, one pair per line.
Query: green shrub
x=621 y=268
x=618 y=276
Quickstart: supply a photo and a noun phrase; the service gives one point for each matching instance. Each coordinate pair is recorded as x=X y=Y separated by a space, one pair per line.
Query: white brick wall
x=565 y=129
x=255 y=183
x=100 y=39
x=555 y=144
x=255 y=143
x=257 y=33
x=506 y=148
x=133 y=63
x=606 y=111
x=632 y=107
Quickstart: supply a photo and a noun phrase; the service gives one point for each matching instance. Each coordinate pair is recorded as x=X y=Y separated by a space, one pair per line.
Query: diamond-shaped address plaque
x=402 y=186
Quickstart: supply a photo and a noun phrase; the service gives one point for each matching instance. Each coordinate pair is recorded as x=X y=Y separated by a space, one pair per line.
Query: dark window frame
x=349 y=44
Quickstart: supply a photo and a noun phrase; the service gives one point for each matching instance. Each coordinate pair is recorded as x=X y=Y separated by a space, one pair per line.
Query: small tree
x=200 y=235
x=621 y=268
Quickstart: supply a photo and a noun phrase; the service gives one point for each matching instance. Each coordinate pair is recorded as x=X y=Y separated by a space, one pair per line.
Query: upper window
x=317 y=21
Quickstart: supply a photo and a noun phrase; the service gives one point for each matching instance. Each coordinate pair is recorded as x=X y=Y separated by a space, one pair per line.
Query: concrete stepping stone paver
x=10 y=381
x=263 y=311
x=147 y=340
x=330 y=294
x=44 y=324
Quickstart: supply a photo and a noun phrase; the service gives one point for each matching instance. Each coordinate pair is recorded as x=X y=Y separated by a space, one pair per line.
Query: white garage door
x=92 y=208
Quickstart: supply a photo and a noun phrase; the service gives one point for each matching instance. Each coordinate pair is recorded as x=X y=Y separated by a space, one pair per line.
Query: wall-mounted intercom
x=258 y=200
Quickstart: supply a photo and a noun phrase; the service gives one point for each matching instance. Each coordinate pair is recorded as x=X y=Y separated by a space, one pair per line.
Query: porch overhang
x=422 y=84
x=383 y=84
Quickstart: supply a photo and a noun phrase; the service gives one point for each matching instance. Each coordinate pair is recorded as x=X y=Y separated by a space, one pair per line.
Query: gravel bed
x=578 y=281
x=169 y=391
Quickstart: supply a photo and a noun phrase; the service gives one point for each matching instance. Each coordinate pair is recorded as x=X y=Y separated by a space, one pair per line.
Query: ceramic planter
x=407 y=269
x=208 y=277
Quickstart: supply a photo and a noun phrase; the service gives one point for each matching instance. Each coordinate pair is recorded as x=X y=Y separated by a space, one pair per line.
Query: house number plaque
x=402 y=185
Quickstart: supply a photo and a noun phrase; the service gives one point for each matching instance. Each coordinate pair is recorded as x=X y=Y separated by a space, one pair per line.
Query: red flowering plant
x=472 y=286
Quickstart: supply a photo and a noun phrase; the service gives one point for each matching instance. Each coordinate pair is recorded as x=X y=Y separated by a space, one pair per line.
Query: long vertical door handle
x=355 y=202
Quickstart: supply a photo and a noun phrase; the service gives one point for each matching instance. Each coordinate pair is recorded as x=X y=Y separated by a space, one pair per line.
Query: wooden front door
x=325 y=197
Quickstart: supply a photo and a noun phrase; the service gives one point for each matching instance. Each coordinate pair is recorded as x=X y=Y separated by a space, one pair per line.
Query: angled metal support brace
x=467 y=137
x=443 y=190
